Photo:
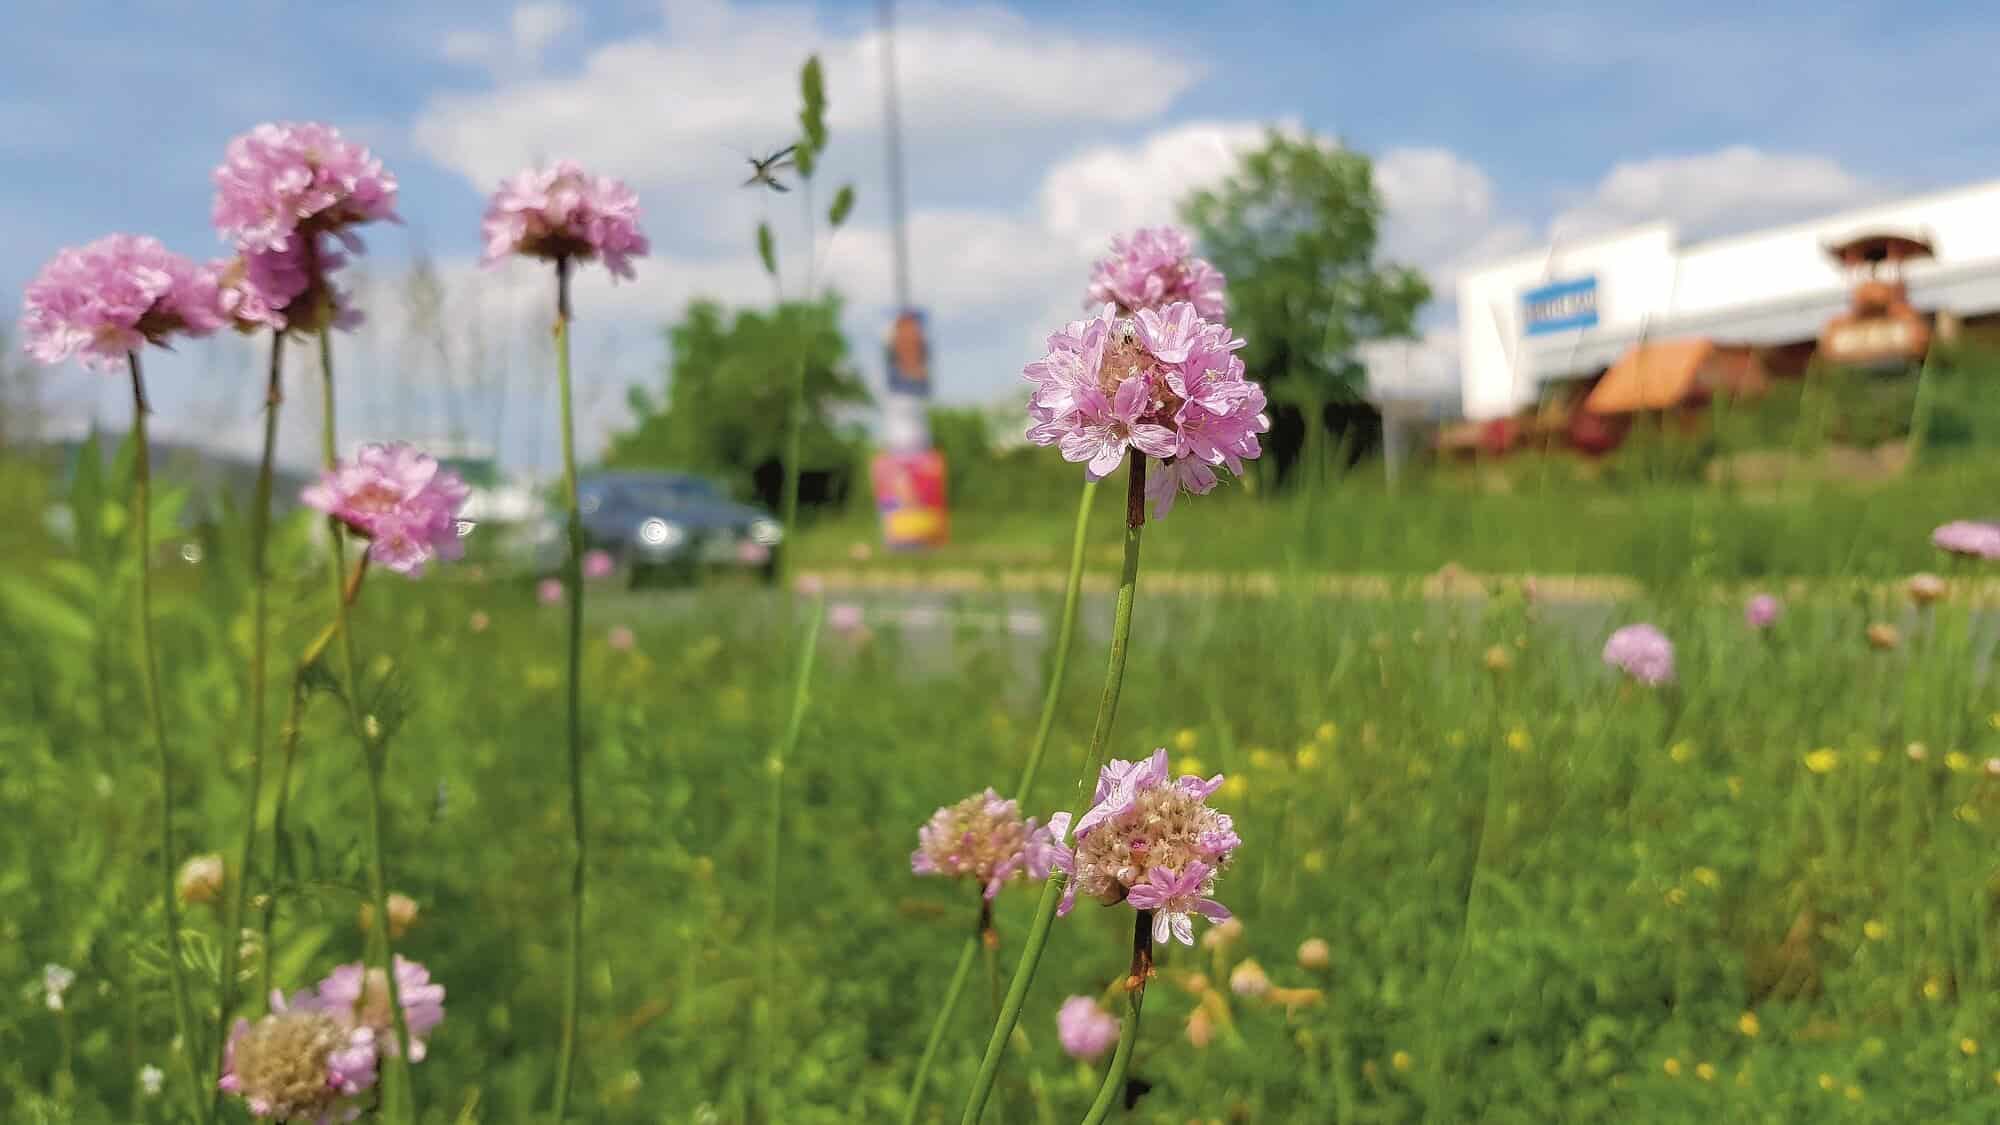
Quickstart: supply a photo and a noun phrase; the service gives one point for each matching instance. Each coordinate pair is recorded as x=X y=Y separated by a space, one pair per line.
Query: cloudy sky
x=1033 y=131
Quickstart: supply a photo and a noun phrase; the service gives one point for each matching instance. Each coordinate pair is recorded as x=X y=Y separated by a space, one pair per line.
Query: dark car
x=655 y=524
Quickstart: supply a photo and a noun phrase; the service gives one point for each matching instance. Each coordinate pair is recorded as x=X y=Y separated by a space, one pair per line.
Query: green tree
x=727 y=389
x=1294 y=229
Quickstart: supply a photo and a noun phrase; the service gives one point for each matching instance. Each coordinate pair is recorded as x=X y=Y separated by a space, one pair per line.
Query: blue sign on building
x=1559 y=307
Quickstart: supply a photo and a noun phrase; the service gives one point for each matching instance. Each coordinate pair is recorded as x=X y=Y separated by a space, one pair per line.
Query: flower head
x=201 y=879
x=108 y=299
x=1248 y=979
x=1761 y=611
x=55 y=981
x=1149 y=841
x=983 y=838
x=1085 y=1028
x=285 y=289
x=561 y=212
x=1969 y=538
x=1315 y=954
x=1155 y=266
x=151 y=1080
x=1924 y=589
x=300 y=1063
x=598 y=564
x=621 y=638
x=283 y=180
x=359 y=997
x=1164 y=383
x=549 y=591
x=400 y=499
x=1641 y=652
x=403 y=913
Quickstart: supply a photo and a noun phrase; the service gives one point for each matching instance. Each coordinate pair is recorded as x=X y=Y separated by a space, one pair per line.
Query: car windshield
x=667 y=492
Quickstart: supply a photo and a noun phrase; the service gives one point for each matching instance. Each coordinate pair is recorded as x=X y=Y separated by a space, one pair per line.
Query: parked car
x=660 y=524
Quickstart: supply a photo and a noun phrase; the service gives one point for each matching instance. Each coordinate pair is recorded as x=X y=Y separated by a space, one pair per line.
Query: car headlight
x=766 y=532
x=657 y=532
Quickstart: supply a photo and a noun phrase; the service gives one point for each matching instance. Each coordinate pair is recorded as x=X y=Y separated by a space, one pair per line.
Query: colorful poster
x=909 y=493
x=909 y=355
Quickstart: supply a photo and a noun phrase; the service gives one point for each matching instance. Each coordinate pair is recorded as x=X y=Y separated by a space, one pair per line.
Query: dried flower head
x=1149 y=841
x=1761 y=611
x=1973 y=539
x=1200 y=1028
x=982 y=838
x=110 y=298
x=1152 y=267
x=562 y=213
x=1883 y=636
x=358 y=996
x=1641 y=652
x=1085 y=1028
x=1924 y=589
x=1315 y=954
x=283 y=180
x=400 y=499
x=1163 y=382
x=1223 y=934
x=299 y=1063
x=621 y=638
x=1248 y=979
x=200 y=879
x=55 y=982
x=403 y=912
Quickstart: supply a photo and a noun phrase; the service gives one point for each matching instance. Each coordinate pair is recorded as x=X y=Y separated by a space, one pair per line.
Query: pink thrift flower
x=285 y=289
x=1085 y=1028
x=1969 y=538
x=844 y=617
x=1164 y=383
x=108 y=299
x=282 y=180
x=621 y=638
x=561 y=212
x=1761 y=612
x=1641 y=652
x=598 y=564
x=1155 y=266
x=359 y=997
x=400 y=500
x=299 y=1063
x=549 y=591
x=1175 y=899
x=983 y=838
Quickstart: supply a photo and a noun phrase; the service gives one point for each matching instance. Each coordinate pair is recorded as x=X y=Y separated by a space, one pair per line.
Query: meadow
x=1764 y=892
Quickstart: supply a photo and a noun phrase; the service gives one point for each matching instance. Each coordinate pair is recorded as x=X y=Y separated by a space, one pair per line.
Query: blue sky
x=1035 y=130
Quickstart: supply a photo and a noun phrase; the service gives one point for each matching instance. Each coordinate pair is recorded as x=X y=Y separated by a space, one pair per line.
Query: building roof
x=1662 y=374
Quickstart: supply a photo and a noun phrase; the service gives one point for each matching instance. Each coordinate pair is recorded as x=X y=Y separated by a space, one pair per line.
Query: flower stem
x=371 y=752
x=794 y=431
x=1128 y=1028
x=1051 y=695
x=572 y=578
x=260 y=531
x=774 y=845
x=1107 y=712
x=142 y=515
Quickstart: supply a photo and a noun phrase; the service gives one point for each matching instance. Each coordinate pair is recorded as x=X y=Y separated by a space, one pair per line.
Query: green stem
x=1051 y=696
x=794 y=431
x=1107 y=711
x=260 y=531
x=371 y=753
x=142 y=515
x=1128 y=1028
x=573 y=578
x=775 y=843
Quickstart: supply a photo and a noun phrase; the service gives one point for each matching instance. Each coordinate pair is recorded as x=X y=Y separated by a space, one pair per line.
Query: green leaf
x=43 y=611
x=843 y=202
x=767 y=249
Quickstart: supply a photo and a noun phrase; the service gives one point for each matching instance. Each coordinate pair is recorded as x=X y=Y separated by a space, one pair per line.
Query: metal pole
x=892 y=137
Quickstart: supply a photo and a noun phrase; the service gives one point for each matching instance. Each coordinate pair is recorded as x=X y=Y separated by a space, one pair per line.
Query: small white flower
x=150 y=1079
x=55 y=981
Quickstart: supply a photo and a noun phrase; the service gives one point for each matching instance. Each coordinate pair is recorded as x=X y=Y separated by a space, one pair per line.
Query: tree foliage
x=726 y=390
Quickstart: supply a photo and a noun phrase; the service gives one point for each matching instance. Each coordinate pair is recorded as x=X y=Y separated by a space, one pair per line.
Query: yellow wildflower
x=1874 y=929
x=1235 y=786
x=1455 y=739
x=1185 y=740
x=1263 y=759
x=1823 y=760
x=1193 y=765
x=1957 y=761
x=1672 y=1066
x=1681 y=752
x=1313 y=861
x=1308 y=757
x=1705 y=1071
x=1853 y=1092
x=1828 y=1082
x=1873 y=756
x=1707 y=877
x=1326 y=733
x=1933 y=989
x=1748 y=1024
x=1968 y=814
x=1677 y=897
x=1735 y=786
x=1968 y=1046
x=1401 y=1060
x=1498 y=659
x=1518 y=740
x=1993 y=720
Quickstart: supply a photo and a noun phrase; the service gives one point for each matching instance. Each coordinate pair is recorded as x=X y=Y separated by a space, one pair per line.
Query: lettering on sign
x=1560 y=306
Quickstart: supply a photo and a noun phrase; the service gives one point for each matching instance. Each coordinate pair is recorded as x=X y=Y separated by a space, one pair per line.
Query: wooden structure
x=1879 y=328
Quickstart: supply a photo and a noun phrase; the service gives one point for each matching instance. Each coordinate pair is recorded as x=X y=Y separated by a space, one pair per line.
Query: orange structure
x=1879 y=328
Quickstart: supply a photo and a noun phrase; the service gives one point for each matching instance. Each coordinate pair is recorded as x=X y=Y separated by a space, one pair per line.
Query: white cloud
x=1440 y=214
x=1108 y=188
x=532 y=27
x=1730 y=189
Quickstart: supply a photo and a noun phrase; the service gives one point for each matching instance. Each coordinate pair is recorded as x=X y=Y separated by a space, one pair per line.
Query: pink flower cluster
x=1085 y=1029
x=283 y=289
x=1761 y=611
x=1151 y=842
x=983 y=838
x=1641 y=652
x=313 y=1056
x=110 y=298
x=1153 y=267
x=283 y=179
x=400 y=499
x=1164 y=382
x=1969 y=538
x=561 y=212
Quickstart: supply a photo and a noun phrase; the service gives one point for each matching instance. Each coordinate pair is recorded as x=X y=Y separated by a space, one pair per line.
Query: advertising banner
x=1560 y=307
x=909 y=494
x=909 y=355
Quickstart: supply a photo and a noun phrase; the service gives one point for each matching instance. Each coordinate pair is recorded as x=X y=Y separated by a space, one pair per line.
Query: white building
x=1569 y=310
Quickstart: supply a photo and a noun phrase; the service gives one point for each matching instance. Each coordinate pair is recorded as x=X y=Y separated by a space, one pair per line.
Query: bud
x=1223 y=934
x=200 y=880
x=1200 y=1028
x=1924 y=589
x=1883 y=636
x=1315 y=955
x=402 y=915
x=1248 y=979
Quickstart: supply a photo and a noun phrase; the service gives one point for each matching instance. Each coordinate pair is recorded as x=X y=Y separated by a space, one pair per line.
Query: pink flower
x=598 y=564
x=110 y=298
x=560 y=212
x=1163 y=382
x=285 y=289
x=549 y=591
x=621 y=638
x=283 y=179
x=358 y=997
x=300 y=1063
x=982 y=838
x=1155 y=266
x=1641 y=652
x=1761 y=611
x=1085 y=1028
x=1150 y=841
x=1972 y=539
x=1174 y=899
x=844 y=617
x=400 y=500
